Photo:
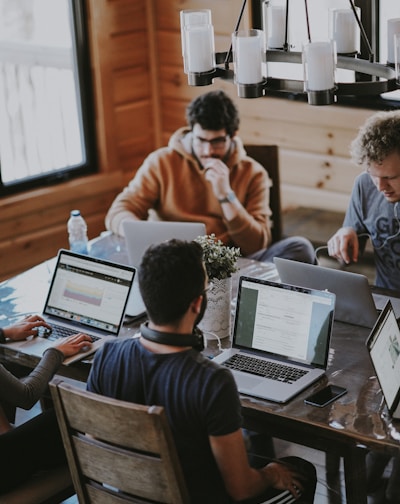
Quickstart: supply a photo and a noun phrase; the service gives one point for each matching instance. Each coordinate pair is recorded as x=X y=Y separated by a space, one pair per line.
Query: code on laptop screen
x=291 y=322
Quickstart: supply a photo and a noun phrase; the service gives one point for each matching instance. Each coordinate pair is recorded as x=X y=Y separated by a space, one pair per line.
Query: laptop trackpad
x=248 y=382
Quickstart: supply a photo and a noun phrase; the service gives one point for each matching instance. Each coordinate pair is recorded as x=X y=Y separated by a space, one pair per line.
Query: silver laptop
x=139 y=235
x=86 y=295
x=281 y=338
x=354 y=301
x=383 y=346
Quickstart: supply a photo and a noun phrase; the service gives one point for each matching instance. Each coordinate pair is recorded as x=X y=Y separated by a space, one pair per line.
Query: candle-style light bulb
x=319 y=62
x=247 y=48
x=344 y=30
x=198 y=50
x=274 y=25
x=393 y=28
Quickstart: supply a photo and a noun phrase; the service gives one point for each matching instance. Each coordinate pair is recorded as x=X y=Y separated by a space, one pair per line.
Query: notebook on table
x=355 y=303
x=383 y=345
x=281 y=338
x=139 y=235
x=86 y=295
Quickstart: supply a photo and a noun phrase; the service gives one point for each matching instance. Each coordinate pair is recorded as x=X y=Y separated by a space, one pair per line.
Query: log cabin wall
x=140 y=94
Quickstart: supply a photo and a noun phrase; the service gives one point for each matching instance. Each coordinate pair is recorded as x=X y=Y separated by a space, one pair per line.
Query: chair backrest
x=117 y=451
x=267 y=156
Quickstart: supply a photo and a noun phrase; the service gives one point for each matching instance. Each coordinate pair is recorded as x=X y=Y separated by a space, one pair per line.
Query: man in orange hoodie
x=205 y=175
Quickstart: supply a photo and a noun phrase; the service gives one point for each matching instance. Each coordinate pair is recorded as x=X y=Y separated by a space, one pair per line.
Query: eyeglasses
x=216 y=143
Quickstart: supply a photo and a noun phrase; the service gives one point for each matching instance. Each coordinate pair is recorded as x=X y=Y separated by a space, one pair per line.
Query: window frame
x=370 y=21
x=84 y=81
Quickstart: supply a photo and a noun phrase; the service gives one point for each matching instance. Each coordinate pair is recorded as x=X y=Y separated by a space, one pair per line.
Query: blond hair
x=377 y=138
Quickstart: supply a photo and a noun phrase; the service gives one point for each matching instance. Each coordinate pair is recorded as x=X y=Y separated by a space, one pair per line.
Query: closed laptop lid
x=89 y=292
x=139 y=235
x=383 y=345
x=284 y=321
x=354 y=301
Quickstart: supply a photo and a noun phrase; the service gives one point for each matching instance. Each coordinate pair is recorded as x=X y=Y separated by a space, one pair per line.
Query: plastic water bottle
x=77 y=233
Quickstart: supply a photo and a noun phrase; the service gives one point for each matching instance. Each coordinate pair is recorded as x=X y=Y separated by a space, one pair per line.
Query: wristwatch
x=2 y=337
x=231 y=196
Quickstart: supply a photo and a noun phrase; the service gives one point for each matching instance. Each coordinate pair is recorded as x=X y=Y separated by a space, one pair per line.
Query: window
x=374 y=14
x=44 y=78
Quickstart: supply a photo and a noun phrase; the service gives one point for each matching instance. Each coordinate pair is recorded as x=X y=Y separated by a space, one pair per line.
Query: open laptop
x=279 y=325
x=383 y=345
x=139 y=235
x=87 y=295
x=355 y=303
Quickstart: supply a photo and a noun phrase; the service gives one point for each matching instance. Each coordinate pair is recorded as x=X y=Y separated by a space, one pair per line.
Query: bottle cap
x=75 y=213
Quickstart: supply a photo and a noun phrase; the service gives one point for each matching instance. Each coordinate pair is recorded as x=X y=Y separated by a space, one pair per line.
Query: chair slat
x=113 y=464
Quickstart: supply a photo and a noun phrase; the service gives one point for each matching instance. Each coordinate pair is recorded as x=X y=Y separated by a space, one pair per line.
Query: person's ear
x=196 y=304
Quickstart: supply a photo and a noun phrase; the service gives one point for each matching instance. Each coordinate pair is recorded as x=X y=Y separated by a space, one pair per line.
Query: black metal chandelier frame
x=382 y=76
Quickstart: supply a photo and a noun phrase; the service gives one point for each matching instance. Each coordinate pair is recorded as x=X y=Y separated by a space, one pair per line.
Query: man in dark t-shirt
x=163 y=366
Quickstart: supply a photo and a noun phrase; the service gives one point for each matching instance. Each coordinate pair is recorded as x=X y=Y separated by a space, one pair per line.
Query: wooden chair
x=117 y=451
x=267 y=156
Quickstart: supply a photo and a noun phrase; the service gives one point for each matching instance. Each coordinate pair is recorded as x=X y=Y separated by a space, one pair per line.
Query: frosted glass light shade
x=199 y=55
x=393 y=28
x=396 y=40
x=274 y=25
x=247 y=48
x=319 y=66
x=344 y=30
x=191 y=17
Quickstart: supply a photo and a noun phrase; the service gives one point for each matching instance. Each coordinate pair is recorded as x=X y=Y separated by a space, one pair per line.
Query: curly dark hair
x=377 y=138
x=213 y=111
x=171 y=276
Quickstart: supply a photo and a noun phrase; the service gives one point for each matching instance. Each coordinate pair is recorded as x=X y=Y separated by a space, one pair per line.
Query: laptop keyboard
x=62 y=332
x=267 y=369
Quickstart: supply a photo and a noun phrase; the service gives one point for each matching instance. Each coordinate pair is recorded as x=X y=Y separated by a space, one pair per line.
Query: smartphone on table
x=325 y=396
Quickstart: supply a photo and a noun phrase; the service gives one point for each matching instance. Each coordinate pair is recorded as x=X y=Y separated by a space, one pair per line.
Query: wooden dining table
x=348 y=428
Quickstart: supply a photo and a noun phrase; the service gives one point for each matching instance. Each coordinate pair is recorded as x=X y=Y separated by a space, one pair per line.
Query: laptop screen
x=293 y=323
x=384 y=348
x=139 y=235
x=89 y=291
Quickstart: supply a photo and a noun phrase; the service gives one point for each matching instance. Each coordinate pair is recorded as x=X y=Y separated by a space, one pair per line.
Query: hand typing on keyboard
x=71 y=345
x=26 y=327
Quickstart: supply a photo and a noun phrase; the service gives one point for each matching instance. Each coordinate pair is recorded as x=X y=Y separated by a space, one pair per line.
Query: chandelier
x=246 y=63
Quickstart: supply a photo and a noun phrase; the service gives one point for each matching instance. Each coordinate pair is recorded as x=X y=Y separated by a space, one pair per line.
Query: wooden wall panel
x=34 y=228
x=293 y=196
x=130 y=85
x=132 y=154
x=133 y=120
x=127 y=50
x=330 y=173
x=170 y=48
x=125 y=16
x=314 y=139
x=122 y=74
